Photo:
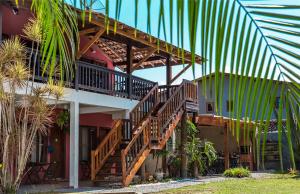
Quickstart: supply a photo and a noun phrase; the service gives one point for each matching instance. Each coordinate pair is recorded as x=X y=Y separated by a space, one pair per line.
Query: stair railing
x=147 y=127
x=105 y=148
x=134 y=150
x=185 y=91
x=143 y=109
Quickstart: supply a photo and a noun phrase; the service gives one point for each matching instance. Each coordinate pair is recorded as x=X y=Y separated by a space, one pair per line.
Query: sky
x=159 y=74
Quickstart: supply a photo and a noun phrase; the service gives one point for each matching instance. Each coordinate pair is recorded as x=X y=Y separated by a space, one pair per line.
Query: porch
x=232 y=152
x=52 y=160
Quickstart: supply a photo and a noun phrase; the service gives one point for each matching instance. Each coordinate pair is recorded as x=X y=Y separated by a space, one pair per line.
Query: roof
x=228 y=74
x=145 y=46
x=145 y=51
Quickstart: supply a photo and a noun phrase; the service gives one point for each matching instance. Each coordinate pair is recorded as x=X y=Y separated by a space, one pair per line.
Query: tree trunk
x=195 y=171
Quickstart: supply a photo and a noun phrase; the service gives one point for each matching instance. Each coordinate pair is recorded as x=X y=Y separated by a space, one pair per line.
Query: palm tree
x=255 y=40
x=247 y=39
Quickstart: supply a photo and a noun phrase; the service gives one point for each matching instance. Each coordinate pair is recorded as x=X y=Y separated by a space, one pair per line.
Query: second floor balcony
x=95 y=78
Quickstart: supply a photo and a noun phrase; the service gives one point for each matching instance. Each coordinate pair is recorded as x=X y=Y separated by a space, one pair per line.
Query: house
x=114 y=119
x=240 y=150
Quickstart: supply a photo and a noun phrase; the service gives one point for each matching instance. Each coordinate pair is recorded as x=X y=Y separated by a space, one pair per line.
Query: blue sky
x=158 y=74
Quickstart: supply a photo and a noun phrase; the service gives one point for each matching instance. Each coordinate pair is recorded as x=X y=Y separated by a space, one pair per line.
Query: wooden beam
x=88 y=31
x=134 y=61
x=180 y=73
x=129 y=61
x=99 y=20
x=90 y=43
x=144 y=59
x=168 y=75
x=129 y=56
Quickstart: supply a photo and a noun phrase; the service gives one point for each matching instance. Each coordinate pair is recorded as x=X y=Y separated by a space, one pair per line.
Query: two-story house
x=116 y=119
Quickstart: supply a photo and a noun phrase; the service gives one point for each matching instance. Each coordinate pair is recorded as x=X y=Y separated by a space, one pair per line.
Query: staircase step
x=113 y=184
x=108 y=174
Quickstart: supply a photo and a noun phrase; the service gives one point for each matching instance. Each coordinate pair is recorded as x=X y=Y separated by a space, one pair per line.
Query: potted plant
x=63 y=120
x=200 y=152
x=159 y=174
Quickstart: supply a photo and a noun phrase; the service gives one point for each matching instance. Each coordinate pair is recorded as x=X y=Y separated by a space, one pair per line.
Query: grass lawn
x=275 y=185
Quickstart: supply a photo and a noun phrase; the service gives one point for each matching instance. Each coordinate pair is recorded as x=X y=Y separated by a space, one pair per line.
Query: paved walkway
x=141 y=188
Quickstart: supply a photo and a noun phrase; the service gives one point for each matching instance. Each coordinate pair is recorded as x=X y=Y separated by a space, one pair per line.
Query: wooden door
x=56 y=149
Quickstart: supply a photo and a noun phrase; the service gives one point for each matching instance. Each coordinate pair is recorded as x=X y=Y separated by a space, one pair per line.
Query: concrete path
x=141 y=188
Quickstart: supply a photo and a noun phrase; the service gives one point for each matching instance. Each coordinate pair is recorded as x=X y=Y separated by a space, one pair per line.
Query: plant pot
x=159 y=176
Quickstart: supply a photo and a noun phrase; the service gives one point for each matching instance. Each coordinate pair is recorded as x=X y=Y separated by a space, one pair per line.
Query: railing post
x=123 y=160
x=77 y=76
x=130 y=86
x=93 y=175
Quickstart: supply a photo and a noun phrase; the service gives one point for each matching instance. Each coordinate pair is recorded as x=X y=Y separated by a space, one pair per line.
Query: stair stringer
x=127 y=179
x=169 y=130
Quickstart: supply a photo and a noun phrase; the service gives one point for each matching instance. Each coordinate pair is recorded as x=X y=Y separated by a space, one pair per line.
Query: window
x=210 y=107
x=229 y=106
x=40 y=149
x=87 y=142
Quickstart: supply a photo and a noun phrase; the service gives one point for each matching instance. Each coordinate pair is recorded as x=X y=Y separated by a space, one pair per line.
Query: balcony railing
x=98 y=79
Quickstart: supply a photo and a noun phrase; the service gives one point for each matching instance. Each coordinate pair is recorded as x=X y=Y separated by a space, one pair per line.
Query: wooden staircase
x=152 y=123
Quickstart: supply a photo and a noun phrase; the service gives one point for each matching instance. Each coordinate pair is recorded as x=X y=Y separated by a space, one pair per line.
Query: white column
x=74 y=144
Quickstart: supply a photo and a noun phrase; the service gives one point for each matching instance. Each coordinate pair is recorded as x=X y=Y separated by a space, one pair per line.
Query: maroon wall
x=13 y=25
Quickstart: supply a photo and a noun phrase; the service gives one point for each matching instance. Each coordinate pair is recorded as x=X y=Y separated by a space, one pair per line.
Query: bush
x=237 y=172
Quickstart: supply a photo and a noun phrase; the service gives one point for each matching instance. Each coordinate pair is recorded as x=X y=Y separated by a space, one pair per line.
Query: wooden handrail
x=186 y=91
x=143 y=109
x=140 y=142
x=105 y=148
x=147 y=126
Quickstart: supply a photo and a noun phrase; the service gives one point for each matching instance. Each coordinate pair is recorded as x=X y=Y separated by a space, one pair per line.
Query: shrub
x=293 y=172
x=237 y=172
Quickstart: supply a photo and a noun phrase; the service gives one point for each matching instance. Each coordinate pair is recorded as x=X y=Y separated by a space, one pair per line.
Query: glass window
x=229 y=106
x=210 y=107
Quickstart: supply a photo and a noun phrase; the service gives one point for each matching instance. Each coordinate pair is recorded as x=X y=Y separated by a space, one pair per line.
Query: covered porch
x=233 y=149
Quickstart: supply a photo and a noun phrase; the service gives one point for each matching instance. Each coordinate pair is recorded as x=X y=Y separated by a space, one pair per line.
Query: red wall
x=97 y=54
x=96 y=120
x=91 y=119
x=13 y=25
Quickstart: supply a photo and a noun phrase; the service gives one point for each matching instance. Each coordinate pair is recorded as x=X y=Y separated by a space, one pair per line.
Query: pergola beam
x=180 y=73
x=90 y=43
x=123 y=30
x=135 y=61
x=144 y=59
x=88 y=31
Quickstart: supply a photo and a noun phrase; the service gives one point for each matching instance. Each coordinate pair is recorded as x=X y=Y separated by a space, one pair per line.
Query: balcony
x=95 y=78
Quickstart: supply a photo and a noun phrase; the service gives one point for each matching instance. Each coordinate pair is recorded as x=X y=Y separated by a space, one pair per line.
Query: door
x=57 y=153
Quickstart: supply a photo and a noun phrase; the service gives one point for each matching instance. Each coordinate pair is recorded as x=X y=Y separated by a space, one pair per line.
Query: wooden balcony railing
x=98 y=79
x=105 y=148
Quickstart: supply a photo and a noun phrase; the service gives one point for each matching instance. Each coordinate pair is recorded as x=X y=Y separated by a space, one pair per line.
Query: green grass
x=279 y=185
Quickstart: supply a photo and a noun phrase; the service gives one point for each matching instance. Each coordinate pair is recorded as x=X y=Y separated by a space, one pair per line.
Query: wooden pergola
x=226 y=123
x=132 y=49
